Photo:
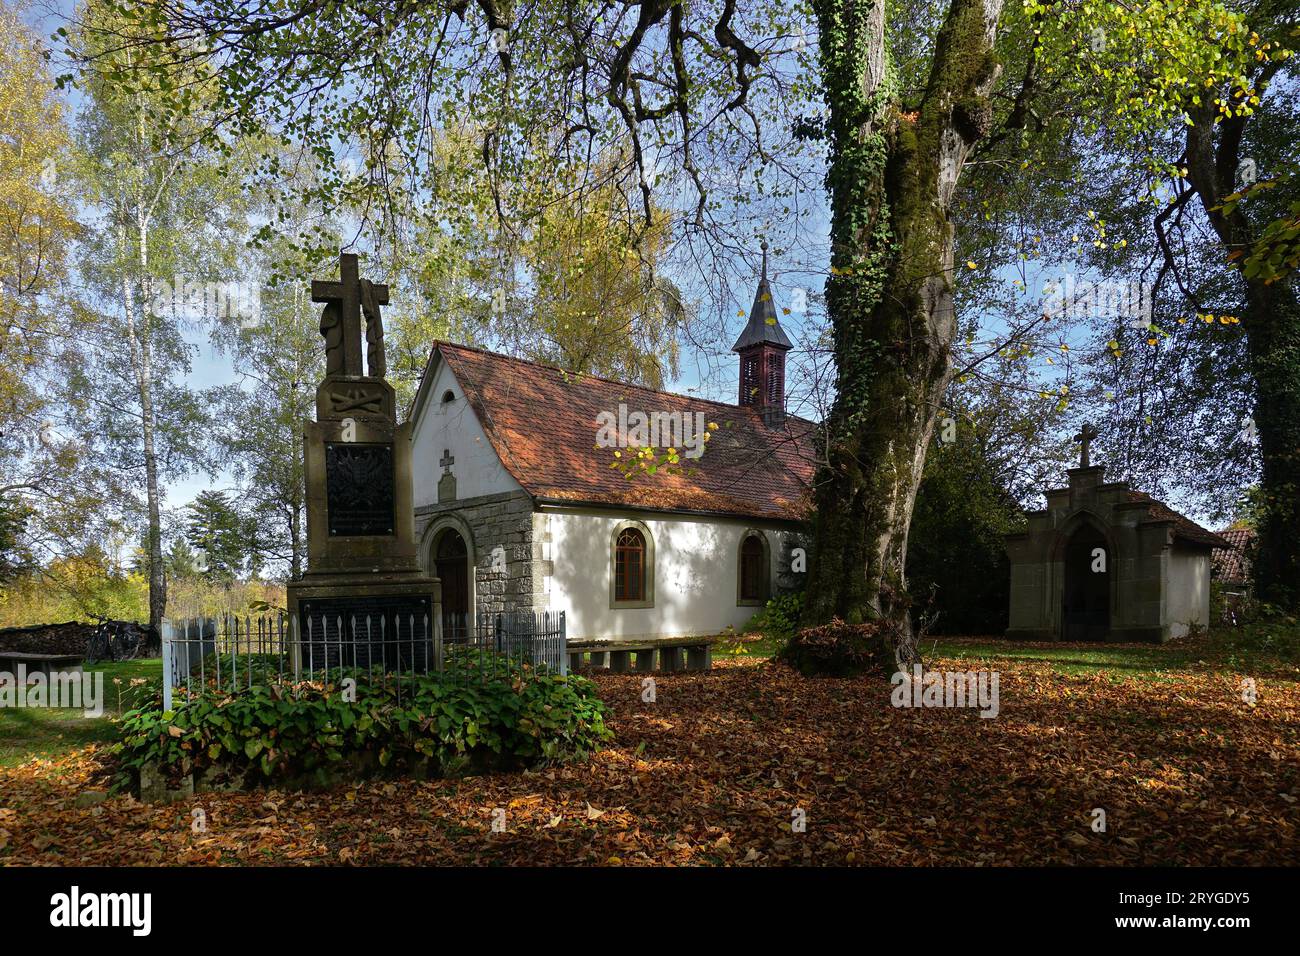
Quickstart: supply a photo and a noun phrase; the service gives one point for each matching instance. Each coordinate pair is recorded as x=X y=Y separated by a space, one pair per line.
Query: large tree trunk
x=892 y=176
x=1272 y=327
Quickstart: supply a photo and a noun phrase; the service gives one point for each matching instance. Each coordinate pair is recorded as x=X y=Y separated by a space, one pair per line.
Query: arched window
x=629 y=566
x=754 y=572
x=632 y=566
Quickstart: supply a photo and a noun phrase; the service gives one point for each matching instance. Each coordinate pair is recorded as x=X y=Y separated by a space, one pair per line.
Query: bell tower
x=762 y=347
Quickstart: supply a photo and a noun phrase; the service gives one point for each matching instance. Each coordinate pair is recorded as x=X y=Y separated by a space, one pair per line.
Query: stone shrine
x=1104 y=562
x=363 y=573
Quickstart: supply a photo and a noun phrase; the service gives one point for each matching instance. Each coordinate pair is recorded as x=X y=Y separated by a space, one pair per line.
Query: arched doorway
x=451 y=565
x=1085 y=599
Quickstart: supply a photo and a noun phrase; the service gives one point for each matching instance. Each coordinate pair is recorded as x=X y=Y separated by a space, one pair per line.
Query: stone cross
x=340 y=322
x=446 y=461
x=1084 y=438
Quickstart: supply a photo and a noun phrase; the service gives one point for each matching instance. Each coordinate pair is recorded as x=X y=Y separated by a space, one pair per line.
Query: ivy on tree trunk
x=894 y=168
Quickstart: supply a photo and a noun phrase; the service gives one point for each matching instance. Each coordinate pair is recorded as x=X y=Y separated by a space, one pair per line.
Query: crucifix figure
x=446 y=461
x=340 y=322
x=1084 y=438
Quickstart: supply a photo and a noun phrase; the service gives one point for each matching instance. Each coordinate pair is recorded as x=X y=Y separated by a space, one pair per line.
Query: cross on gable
x=447 y=460
x=1084 y=438
x=345 y=296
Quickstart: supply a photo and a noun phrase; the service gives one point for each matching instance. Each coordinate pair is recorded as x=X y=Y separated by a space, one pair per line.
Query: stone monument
x=1106 y=562
x=364 y=591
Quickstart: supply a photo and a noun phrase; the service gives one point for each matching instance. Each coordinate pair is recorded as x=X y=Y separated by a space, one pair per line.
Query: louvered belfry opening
x=775 y=385
x=751 y=384
x=762 y=346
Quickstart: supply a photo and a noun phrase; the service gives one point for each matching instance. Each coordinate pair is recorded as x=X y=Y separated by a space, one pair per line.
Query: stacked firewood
x=106 y=641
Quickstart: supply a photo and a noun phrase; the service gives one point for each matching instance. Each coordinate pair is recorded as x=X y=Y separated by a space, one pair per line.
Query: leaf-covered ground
x=715 y=770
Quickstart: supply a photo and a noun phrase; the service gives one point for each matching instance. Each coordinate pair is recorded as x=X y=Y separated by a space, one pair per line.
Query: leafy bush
x=230 y=670
x=1265 y=637
x=839 y=650
x=1232 y=605
x=779 y=618
x=442 y=723
x=76 y=588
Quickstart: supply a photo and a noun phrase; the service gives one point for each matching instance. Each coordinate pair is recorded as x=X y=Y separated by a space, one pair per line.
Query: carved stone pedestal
x=364 y=594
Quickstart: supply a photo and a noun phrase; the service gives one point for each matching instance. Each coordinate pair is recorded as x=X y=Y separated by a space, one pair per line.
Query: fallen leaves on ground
x=724 y=767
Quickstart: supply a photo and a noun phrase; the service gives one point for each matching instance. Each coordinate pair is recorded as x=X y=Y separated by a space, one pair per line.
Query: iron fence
x=230 y=653
x=535 y=636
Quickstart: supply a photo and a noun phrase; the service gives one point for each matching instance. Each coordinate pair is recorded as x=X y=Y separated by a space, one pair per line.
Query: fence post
x=564 y=647
x=168 y=662
x=437 y=638
x=296 y=644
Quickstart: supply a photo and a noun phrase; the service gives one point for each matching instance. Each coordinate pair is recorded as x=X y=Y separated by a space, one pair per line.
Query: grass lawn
x=44 y=732
x=715 y=770
x=1254 y=651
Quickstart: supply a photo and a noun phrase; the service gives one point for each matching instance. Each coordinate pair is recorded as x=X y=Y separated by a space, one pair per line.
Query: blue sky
x=709 y=371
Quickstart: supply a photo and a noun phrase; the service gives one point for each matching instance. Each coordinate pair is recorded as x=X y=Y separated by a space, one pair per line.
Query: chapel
x=522 y=500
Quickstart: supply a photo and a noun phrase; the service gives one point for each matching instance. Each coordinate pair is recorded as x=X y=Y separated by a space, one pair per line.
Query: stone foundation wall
x=504 y=543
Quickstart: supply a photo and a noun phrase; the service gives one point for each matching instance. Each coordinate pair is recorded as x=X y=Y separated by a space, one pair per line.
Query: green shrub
x=779 y=619
x=1264 y=635
x=443 y=722
x=838 y=649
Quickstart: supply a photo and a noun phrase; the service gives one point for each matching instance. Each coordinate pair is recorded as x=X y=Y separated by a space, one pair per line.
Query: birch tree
x=257 y=423
x=155 y=246
x=46 y=484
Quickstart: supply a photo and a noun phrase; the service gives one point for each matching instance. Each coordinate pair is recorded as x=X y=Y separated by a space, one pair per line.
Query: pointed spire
x=762 y=327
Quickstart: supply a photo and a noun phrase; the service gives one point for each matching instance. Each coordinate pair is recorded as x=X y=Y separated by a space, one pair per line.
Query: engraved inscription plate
x=359 y=488
x=393 y=633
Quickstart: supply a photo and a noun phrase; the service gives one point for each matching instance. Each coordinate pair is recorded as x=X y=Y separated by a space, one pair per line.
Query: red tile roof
x=542 y=423
x=1184 y=527
x=1232 y=564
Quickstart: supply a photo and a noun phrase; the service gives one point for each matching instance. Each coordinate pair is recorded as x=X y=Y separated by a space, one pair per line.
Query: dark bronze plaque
x=393 y=633
x=359 y=488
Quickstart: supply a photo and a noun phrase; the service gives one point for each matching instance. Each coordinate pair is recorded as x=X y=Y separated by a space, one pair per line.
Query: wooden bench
x=39 y=663
x=619 y=656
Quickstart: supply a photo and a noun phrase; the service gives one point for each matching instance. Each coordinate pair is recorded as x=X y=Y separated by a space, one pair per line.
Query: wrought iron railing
x=231 y=653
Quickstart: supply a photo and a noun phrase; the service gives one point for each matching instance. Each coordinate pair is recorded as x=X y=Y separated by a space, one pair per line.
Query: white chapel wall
x=695 y=585
x=1188 y=592
x=455 y=427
